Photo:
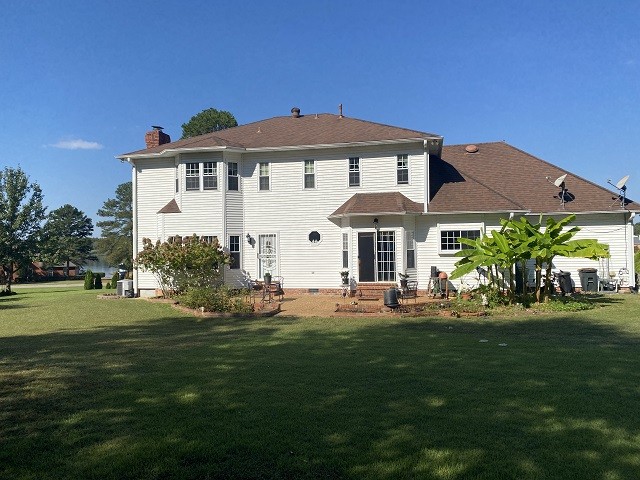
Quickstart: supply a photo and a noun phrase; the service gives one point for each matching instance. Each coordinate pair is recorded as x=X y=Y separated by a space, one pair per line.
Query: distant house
x=307 y=196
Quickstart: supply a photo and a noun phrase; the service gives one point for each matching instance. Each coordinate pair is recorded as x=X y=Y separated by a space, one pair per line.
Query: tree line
x=61 y=237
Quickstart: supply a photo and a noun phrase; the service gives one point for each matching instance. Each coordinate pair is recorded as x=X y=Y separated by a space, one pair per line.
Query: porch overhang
x=379 y=203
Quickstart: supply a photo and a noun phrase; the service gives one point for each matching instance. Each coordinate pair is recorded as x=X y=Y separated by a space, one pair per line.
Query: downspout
x=427 y=191
x=134 y=200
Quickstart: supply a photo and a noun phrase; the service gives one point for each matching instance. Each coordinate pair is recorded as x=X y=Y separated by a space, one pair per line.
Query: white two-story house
x=308 y=196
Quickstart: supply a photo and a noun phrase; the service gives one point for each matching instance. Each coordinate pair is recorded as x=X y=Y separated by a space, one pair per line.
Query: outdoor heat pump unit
x=124 y=288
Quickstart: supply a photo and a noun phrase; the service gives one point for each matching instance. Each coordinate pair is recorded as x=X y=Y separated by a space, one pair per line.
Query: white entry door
x=267 y=254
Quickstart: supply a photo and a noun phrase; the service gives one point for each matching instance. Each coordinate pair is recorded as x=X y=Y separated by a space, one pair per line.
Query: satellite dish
x=622 y=183
x=560 y=180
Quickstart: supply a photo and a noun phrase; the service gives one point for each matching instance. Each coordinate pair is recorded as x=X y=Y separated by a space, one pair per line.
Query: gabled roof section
x=382 y=203
x=500 y=177
x=171 y=207
x=321 y=130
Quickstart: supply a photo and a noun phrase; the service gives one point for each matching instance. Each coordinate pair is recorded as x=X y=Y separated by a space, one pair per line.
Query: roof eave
x=169 y=152
x=368 y=214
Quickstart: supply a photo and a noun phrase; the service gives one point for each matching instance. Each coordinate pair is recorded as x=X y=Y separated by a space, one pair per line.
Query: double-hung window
x=210 y=175
x=234 y=251
x=402 y=169
x=232 y=176
x=354 y=171
x=345 y=250
x=264 y=175
x=449 y=237
x=192 y=176
x=309 y=174
x=199 y=175
x=410 y=239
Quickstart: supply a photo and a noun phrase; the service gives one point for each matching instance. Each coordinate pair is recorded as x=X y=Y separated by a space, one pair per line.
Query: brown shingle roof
x=500 y=177
x=321 y=129
x=171 y=207
x=389 y=203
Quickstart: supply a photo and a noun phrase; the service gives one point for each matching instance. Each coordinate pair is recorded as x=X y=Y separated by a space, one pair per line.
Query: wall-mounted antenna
x=621 y=185
x=560 y=183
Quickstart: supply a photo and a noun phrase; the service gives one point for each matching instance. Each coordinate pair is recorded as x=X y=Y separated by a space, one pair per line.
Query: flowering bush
x=183 y=263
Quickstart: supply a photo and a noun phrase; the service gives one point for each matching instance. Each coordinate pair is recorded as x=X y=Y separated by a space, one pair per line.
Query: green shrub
x=219 y=299
x=566 y=304
x=97 y=282
x=89 y=282
x=114 y=280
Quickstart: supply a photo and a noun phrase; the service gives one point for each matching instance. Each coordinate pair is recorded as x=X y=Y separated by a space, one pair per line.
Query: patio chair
x=410 y=291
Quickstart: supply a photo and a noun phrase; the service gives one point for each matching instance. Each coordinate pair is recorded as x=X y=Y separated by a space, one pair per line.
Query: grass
x=110 y=389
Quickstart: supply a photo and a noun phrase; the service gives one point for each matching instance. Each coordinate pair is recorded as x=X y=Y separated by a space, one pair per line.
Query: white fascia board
x=476 y=212
x=351 y=215
x=172 y=151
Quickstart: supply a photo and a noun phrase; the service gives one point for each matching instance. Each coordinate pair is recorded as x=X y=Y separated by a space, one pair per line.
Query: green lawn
x=110 y=389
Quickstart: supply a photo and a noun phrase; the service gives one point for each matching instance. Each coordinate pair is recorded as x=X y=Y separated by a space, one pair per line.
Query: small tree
x=97 y=282
x=116 y=243
x=114 y=280
x=89 y=281
x=183 y=263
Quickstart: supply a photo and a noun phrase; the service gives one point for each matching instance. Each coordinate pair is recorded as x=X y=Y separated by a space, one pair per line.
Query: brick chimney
x=156 y=137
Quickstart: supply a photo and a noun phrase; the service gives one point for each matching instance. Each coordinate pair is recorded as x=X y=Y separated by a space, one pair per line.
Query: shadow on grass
x=287 y=398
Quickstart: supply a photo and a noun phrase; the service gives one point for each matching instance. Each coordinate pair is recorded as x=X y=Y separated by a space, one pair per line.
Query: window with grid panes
x=264 y=175
x=210 y=175
x=403 y=169
x=234 y=251
x=192 y=174
x=354 y=171
x=345 y=250
x=411 y=249
x=232 y=176
x=309 y=174
x=449 y=238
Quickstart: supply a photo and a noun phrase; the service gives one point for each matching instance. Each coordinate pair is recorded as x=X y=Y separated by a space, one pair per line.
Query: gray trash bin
x=564 y=278
x=588 y=279
x=391 y=298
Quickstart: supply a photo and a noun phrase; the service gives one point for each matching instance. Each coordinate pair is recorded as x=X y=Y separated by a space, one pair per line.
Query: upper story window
x=449 y=238
x=403 y=169
x=210 y=175
x=232 y=176
x=264 y=175
x=309 y=174
x=354 y=171
x=192 y=176
x=203 y=175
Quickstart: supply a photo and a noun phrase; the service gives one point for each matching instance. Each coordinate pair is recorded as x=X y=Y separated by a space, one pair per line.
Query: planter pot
x=267 y=278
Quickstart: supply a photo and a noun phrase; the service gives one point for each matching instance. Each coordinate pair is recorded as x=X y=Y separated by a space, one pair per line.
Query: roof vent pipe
x=295 y=112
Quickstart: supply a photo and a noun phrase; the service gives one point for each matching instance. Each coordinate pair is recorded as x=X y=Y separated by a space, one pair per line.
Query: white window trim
x=201 y=176
x=268 y=176
x=408 y=169
x=455 y=226
x=359 y=172
x=239 y=266
x=227 y=176
x=315 y=174
x=406 y=250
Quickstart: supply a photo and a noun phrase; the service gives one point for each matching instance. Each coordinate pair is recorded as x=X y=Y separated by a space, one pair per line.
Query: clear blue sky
x=81 y=82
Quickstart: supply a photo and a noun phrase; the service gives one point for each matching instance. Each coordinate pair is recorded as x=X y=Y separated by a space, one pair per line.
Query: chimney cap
x=295 y=112
x=156 y=127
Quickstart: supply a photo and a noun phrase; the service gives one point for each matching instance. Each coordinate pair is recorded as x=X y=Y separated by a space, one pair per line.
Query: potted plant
x=345 y=277
x=267 y=278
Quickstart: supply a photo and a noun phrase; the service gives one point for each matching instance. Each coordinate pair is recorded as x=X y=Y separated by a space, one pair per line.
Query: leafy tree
x=65 y=237
x=207 y=121
x=21 y=213
x=116 y=243
x=636 y=228
x=183 y=263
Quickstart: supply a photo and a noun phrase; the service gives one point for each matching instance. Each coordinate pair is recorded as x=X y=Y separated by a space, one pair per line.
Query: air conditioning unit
x=124 y=288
